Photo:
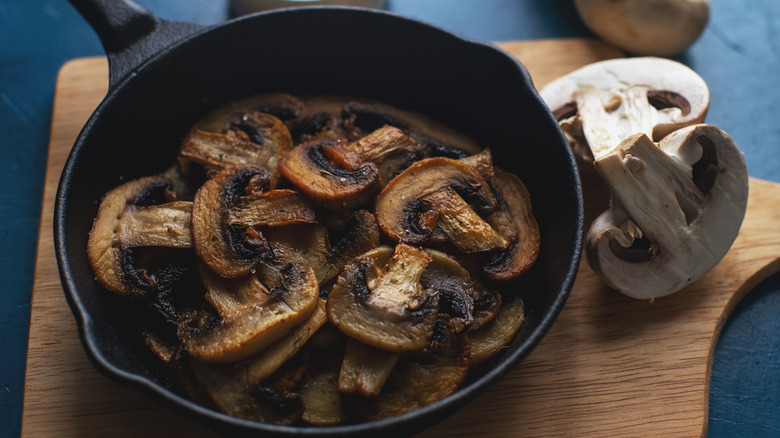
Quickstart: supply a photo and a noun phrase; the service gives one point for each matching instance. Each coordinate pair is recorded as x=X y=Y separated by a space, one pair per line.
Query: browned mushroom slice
x=274 y=208
x=251 y=138
x=308 y=168
x=225 y=249
x=437 y=139
x=461 y=225
x=481 y=162
x=514 y=219
x=252 y=317
x=319 y=387
x=285 y=107
x=402 y=210
x=232 y=387
x=385 y=306
x=388 y=148
x=365 y=369
x=488 y=340
x=418 y=380
x=325 y=248
x=136 y=214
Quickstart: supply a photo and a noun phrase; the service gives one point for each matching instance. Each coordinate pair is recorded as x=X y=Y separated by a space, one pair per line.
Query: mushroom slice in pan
x=676 y=209
x=490 y=338
x=603 y=103
x=514 y=219
x=365 y=369
x=385 y=306
x=482 y=162
x=418 y=380
x=436 y=138
x=136 y=214
x=270 y=209
x=309 y=167
x=325 y=248
x=410 y=205
x=388 y=148
x=228 y=383
x=251 y=138
x=228 y=250
x=251 y=316
x=319 y=387
x=285 y=107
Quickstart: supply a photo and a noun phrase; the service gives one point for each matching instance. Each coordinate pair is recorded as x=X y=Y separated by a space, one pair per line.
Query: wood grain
x=610 y=365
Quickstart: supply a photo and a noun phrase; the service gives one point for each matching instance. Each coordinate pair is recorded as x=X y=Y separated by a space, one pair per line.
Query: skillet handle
x=130 y=33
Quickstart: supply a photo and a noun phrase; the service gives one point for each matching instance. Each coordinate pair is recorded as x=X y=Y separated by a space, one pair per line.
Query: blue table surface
x=738 y=55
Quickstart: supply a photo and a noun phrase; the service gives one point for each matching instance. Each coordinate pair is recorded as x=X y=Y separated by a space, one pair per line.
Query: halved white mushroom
x=603 y=103
x=676 y=209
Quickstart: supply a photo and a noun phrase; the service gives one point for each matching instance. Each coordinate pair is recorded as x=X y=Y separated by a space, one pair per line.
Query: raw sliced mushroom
x=137 y=214
x=250 y=138
x=676 y=209
x=385 y=306
x=489 y=339
x=251 y=316
x=230 y=251
x=309 y=167
x=513 y=219
x=410 y=205
x=603 y=103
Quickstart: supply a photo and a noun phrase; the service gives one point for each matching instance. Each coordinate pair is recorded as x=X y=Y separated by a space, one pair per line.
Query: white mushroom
x=676 y=209
x=646 y=27
x=603 y=103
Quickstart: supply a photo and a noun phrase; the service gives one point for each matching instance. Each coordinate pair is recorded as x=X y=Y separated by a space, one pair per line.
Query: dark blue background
x=738 y=55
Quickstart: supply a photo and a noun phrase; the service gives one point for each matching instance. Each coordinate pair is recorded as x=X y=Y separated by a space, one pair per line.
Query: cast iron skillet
x=165 y=75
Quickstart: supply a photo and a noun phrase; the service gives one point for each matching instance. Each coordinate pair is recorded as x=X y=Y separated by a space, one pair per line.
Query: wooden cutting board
x=610 y=365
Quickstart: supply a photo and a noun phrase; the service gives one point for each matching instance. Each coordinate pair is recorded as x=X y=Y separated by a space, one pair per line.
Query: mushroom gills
x=677 y=207
x=385 y=306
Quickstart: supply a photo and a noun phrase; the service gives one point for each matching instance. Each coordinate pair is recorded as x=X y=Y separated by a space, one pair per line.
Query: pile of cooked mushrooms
x=320 y=260
x=679 y=186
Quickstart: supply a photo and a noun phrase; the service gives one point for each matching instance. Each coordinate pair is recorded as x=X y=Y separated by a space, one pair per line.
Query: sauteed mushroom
x=252 y=316
x=246 y=389
x=227 y=250
x=249 y=138
x=385 y=306
x=133 y=215
x=336 y=186
x=513 y=219
x=431 y=191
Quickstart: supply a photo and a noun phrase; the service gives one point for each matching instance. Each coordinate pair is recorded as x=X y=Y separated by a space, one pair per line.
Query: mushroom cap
x=646 y=27
x=676 y=209
x=603 y=103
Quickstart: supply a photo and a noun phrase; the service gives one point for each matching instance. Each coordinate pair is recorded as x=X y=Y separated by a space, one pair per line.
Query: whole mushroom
x=646 y=27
